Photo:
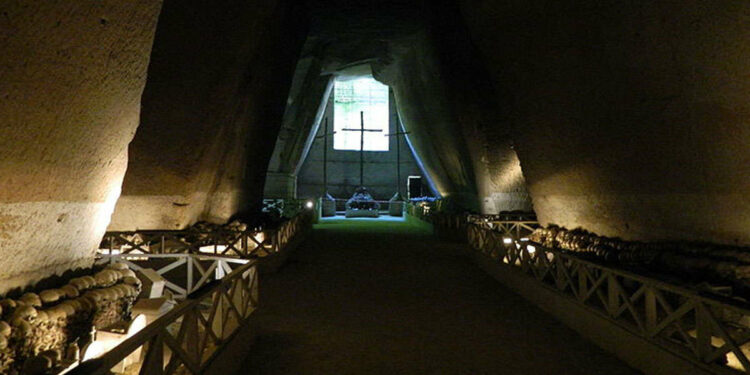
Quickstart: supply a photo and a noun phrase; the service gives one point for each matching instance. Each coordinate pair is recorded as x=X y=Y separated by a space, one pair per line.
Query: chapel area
x=374 y=187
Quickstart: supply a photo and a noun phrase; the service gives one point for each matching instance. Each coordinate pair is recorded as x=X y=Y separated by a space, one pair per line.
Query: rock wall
x=71 y=80
x=630 y=118
x=213 y=104
x=426 y=112
x=474 y=100
x=451 y=109
x=304 y=111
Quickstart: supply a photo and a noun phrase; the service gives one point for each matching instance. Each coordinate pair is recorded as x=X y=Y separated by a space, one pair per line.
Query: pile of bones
x=40 y=333
x=721 y=268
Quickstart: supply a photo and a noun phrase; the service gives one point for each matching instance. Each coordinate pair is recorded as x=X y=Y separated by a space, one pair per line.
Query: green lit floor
x=388 y=224
x=385 y=297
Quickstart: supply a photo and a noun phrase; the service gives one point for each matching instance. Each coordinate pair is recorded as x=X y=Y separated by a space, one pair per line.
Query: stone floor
x=385 y=297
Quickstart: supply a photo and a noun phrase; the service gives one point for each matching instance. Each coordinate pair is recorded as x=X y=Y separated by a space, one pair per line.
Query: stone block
x=153 y=283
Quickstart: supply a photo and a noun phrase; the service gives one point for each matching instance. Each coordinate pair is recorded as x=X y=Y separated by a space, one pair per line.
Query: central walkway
x=385 y=297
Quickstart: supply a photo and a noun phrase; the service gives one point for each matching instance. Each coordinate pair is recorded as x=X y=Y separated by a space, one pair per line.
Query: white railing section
x=187 y=339
x=228 y=242
x=183 y=273
x=708 y=330
x=214 y=275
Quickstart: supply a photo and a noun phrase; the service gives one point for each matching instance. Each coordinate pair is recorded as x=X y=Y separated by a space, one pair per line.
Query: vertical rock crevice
x=302 y=118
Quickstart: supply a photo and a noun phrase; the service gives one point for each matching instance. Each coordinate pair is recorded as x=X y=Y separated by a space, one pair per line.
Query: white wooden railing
x=183 y=273
x=225 y=242
x=710 y=331
x=187 y=339
x=214 y=275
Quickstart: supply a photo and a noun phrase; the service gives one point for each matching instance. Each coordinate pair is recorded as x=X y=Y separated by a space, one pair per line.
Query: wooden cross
x=362 y=131
x=398 y=154
x=325 y=154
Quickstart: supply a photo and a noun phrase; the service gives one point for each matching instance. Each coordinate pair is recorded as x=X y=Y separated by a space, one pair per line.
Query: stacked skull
x=38 y=330
x=718 y=265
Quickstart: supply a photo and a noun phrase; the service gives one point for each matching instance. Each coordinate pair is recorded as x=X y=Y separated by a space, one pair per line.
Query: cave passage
x=386 y=297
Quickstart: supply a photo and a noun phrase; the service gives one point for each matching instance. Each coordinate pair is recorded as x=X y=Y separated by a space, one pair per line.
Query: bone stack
x=38 y=330
x=719 y=265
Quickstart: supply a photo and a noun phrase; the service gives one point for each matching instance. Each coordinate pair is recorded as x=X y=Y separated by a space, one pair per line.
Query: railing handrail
x=706 y=328
x=204 y=328
x=195 y=231
x=237 y=243
x=743 y=307
x=107 y=361
x=561 y=271
x=738 y=306
x=507 y=221
x=224 y=258
x=218 y=229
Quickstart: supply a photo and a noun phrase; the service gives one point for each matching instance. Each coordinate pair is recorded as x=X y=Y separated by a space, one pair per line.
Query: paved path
x=370 y=297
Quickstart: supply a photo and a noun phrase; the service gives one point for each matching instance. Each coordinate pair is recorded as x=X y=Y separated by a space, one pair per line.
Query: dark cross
x=362 y=131
x=325 y=154
x=397 y=134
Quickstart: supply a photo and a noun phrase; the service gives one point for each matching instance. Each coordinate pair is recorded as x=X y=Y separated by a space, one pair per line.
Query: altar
x=361 y=204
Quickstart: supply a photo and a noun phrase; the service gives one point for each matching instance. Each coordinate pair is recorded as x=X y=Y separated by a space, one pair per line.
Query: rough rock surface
x=474 y=99
x=71 y=79
x=211 y=111
x=427 y=113
x=302 y=117
x=631 y=118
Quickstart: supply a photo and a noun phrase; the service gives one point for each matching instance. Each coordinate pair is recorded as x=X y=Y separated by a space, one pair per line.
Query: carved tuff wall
x=474 y=99
x=451 y=109
x=304 y=111
x=425 y=110
x=631 y=118
x=70 y=88
x=218 y=80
